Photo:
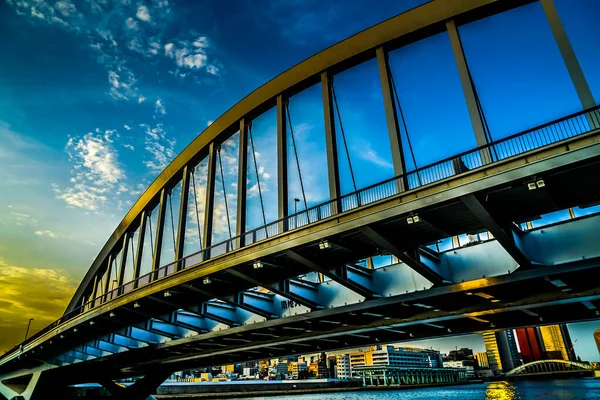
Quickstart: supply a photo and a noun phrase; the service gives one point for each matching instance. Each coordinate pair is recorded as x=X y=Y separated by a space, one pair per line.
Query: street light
x=296 y=201
x=28 y=325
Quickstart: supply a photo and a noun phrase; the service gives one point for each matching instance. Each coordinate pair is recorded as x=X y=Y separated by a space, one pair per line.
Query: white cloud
x=37 y=14
x=96 y=171
x=65 y=7
x=141 y=99
x=143 y=13
x=129 y=147
x=159 y=108
x=187 y=54
x=169 y=49
x=116 y=36
x=46 y=233
x=209 y=123
x=131 y=23
x=122 y=87
x=211 y=69
x=201 y=42
x=127 y=127
x=367 y=153
x=160 y=147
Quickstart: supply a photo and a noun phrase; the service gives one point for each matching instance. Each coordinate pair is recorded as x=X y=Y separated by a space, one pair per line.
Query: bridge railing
x=552 y=132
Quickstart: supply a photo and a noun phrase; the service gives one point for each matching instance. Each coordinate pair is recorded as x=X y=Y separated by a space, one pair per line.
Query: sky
x=98 y=96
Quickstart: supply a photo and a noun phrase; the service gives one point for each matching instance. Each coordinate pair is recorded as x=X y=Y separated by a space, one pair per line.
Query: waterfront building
x=402 y=357
x=342 y=366
x=482 y=360
x=531 y=344
x=392 y=375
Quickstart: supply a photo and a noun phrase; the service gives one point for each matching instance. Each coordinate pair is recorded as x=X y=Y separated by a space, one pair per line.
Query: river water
x=563 y=389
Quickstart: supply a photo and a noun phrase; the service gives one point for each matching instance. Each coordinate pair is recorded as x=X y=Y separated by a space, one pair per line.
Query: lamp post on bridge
x=28 y=326
x=296 y=201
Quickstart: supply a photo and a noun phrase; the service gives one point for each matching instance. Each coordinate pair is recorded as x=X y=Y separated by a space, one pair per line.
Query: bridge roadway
x=300 y=284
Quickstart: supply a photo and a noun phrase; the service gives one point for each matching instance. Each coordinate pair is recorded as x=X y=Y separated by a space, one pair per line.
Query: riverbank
x=300 y=391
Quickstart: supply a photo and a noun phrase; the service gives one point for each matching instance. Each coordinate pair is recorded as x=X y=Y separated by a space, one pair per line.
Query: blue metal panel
x=481 y=260
x=567 y=241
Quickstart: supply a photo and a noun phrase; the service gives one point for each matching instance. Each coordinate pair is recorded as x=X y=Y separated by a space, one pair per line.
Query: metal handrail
x=478 y=157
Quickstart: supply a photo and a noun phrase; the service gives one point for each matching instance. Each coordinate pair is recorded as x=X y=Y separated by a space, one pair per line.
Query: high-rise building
x=557 y=342
x=501 y=348
x=564 y=330
x=531 y=344
x=482 y=360
x=597 y=339
x=491 y=347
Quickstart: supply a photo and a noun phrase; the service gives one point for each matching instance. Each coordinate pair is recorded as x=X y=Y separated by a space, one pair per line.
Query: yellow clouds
x=42 y=294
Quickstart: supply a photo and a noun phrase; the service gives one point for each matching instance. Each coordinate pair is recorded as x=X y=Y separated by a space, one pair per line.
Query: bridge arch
x=547 y=366
x=374 y=43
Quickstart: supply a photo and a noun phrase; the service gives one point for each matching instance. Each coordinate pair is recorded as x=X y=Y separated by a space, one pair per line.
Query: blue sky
x=97 y=96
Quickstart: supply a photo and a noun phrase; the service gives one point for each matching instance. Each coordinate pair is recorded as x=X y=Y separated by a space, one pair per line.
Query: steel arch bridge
x=543 y=367
x=300 y=283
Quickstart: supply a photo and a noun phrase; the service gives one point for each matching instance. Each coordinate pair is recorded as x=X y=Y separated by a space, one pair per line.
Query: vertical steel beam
x=568 y=54
x=95 y=288
x=282 y=181
x=123 y=260
x=210 y=196
x=391 y=118
x=108 y=273
x=160 y=228
x=468 y=90
x=140 y=247
x=240 y=225
x=333 y=172
x=182 y=219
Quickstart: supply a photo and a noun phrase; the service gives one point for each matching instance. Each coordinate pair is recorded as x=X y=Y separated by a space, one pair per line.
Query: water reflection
x=501 y=391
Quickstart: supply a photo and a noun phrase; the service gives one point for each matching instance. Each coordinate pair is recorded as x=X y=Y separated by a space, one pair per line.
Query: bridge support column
x=140 y=390
x=282 y=178
x=331 y=144
x=475 y=112
x=568 y=54
x=392 y=119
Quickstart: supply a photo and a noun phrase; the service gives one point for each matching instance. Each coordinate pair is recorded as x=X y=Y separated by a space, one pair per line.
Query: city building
x=460 y=354
x=385 y=355
x=282 y=369
x=502 y=352
x=466 y=364
x=342 y=367
x=296 y=367
x=435 y=358
x=597 y=339
x=531 y=344
x=250 y=371
x=331 y=364
x=482 y=360
x=557 y=342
